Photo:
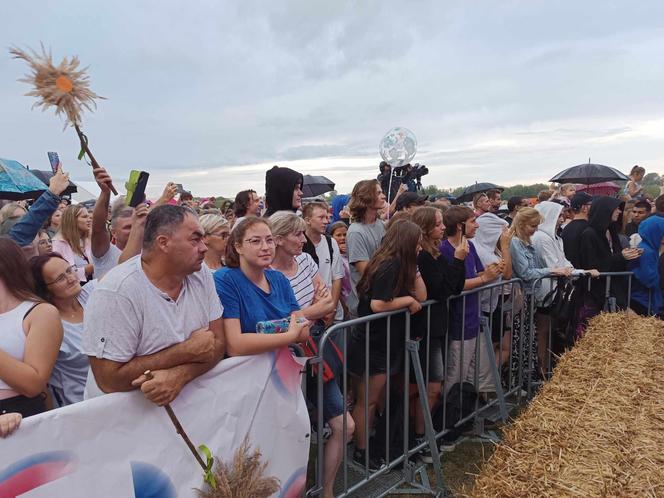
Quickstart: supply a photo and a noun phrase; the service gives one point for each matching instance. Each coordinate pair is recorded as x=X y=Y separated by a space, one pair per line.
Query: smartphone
x=463 y=229
x=54 y=159
x=138 y=180
x=179 y=188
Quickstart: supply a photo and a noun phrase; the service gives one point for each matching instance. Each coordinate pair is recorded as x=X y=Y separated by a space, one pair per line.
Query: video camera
x=409 y=174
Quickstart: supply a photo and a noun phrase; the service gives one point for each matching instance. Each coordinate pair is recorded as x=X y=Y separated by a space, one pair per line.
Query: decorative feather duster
x=65 y=87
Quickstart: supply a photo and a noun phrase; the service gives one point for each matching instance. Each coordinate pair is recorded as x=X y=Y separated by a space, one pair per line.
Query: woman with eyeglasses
x=217 y=230
x=30 y=336
x=251 y=292
x=44 y=244
x=56 y=282
x=73 y=241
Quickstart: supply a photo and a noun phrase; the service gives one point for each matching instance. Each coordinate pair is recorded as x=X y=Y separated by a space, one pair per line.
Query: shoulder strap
x=329 y=245
x=30 y=310
x=310 y=249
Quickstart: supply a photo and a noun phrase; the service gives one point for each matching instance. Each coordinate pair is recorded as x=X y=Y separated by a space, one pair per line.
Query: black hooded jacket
x=595 y=252
x=279 y=186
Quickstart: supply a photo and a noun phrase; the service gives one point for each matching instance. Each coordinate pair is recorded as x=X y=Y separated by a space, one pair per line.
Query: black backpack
x=461 y=402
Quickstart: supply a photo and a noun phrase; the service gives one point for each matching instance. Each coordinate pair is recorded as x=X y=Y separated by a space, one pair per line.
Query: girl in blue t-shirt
x=250 y=292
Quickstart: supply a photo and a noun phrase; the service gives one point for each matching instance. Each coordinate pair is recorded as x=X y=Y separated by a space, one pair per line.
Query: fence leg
x=531 y=338
x=429 y=432
x=500 y=396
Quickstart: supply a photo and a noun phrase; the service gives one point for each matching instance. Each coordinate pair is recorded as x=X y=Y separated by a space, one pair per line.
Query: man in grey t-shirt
x=158 y=311
x=365 y=233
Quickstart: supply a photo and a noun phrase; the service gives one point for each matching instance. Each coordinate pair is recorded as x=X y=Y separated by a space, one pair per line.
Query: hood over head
x=651 y=231
x=338 y=204
x=550 y=211
x=279 y=186
x=600 y=213
x=646 y=268
x=487 y=236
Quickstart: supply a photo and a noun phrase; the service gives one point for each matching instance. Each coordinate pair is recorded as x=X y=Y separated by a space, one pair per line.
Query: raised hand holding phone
x=138 y=180
x=54 y=159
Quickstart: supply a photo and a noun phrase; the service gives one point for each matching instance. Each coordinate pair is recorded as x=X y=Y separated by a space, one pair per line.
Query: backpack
x=563 y=304
x=461 y=401
x=310 y=249
x=332 y=356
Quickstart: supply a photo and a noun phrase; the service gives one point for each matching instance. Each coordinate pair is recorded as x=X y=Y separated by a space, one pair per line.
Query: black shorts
x=378 y=363
x=23 y=405
x=495 y=321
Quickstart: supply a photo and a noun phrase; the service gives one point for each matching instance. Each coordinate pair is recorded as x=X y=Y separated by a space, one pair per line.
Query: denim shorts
x=333 y=399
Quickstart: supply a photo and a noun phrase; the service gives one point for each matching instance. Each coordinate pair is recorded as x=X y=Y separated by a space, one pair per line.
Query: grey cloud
x=220 y=86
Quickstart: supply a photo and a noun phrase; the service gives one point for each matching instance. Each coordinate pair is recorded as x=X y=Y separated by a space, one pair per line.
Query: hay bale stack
x=597 y=428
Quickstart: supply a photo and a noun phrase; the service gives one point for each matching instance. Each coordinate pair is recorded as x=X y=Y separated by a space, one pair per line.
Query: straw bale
x=597 y=428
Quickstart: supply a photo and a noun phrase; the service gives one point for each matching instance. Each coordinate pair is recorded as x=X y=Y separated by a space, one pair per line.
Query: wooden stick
x=178 y=427
x=84 y=146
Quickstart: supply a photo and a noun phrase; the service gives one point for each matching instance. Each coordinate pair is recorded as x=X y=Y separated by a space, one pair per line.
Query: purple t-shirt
x=472 y=321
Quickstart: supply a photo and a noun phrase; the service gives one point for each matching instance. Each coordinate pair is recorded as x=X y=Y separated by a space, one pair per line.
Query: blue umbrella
x=17 y=182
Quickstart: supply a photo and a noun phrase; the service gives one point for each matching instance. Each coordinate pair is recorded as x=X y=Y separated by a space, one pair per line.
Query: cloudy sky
x=210 y=94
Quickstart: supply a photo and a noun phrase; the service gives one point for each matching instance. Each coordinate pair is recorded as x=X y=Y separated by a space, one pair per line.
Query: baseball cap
x=409 y=198
x=579 y=199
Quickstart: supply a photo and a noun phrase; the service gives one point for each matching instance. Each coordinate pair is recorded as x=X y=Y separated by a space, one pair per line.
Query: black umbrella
x=588 y=174
x=470 y=192
x=45 y=176
x=316 y=185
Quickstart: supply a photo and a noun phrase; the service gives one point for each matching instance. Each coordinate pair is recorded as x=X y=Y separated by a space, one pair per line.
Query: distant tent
x=600 y=189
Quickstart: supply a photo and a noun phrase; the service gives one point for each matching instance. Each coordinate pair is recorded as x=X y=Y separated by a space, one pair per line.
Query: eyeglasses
x=258 y=242
x=223 y=235
x=61 y=278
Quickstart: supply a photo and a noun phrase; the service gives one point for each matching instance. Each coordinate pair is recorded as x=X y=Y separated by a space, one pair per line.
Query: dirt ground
x=461 y=465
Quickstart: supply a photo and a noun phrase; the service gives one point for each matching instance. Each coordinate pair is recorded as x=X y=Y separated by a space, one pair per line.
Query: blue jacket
x=27 y=228
x=646 y=269
x=527 y=265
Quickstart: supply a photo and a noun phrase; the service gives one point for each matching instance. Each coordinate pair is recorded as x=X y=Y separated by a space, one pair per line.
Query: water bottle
x=276 y=326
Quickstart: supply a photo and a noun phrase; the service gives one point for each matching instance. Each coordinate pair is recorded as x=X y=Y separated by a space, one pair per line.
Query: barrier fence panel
x=486 y=347
x=385 y=403
x=559 y=307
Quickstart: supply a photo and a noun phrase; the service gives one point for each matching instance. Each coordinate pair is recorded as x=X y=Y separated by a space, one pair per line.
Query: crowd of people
x=89 y=301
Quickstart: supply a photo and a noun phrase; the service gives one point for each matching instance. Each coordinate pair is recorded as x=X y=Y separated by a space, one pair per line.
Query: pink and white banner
x=122 y=446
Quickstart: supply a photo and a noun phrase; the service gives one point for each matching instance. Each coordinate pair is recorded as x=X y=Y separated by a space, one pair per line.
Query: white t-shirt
x=128 y=316
x=330 y=272
x=107 y=262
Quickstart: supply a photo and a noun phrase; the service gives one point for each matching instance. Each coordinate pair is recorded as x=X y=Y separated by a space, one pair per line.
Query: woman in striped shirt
x=316 y=304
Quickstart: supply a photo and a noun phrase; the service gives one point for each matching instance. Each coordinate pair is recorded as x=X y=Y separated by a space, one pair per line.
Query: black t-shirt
x=383 y=288
x=572 y=240
x=442 y=279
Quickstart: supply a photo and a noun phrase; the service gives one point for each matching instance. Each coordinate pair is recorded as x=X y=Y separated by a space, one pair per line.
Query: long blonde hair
x=525 y=216
x=69 y=231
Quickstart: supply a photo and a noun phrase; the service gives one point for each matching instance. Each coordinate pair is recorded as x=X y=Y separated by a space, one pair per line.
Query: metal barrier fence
x=471 y=357
x=547 y=335
x=491 y=358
